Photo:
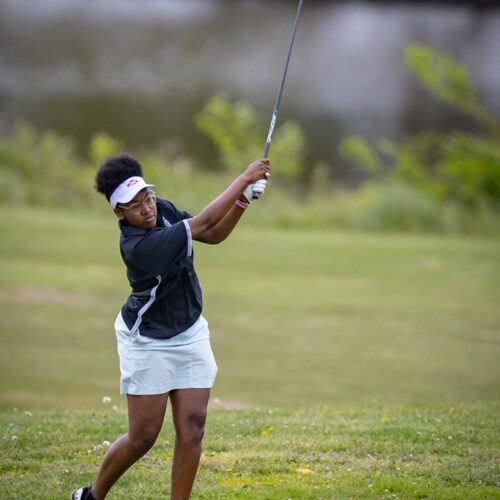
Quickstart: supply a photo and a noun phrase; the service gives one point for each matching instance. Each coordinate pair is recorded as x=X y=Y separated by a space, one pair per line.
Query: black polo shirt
x=166 y=296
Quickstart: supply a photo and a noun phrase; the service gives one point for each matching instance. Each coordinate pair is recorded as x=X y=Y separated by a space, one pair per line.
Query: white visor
x=126 y=191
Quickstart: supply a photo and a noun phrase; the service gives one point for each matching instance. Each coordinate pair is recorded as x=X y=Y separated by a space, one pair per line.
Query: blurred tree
x=456 y=166
x=102 y=146
x=239 y=137
x=42 y=168
x=445 y=79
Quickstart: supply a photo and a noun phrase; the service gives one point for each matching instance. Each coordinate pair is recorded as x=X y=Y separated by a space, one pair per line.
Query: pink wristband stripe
x=241 y=204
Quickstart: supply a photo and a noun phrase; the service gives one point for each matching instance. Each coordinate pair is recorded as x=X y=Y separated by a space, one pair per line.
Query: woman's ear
x=119 y=213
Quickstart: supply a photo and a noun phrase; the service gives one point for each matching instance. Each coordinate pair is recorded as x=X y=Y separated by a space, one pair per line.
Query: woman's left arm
x=223 y=229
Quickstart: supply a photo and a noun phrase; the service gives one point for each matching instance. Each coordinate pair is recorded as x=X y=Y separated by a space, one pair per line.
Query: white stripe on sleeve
x=190 y=238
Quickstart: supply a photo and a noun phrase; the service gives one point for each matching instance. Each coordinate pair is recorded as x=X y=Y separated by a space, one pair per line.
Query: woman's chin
x=150 y=222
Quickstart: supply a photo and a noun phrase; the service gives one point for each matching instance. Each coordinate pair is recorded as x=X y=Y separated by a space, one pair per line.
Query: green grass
x=296 y=317
x=376 y=451
x=372 y=361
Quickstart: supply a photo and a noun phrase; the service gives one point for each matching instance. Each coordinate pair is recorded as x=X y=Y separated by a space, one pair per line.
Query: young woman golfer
x=163 y=339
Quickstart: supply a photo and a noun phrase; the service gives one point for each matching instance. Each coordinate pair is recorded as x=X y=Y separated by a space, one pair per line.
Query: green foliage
x=395 y=207
x=12 y=187
x=234 y=130
x=239 y=137
x=446 y=79
x=391 y=206
x=41 y=169
x=388 y=207
x=445 y=181
x=454 y=167
x=360 y=151
x=102 y=146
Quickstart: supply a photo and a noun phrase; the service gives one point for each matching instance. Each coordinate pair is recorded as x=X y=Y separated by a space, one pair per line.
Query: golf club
x=280 y=92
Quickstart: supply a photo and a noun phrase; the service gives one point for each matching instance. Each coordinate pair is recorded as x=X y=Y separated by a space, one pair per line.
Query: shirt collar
x=129 y=230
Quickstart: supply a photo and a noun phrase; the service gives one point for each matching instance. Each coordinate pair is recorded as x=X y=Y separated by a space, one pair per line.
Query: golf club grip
x=266 y=154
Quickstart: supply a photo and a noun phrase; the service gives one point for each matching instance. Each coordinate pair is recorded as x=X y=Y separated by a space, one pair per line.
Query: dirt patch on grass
x=31 y=294
x=225 y=404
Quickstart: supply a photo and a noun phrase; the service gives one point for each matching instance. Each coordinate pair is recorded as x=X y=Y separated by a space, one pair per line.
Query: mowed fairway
x=297 y=317
x=351 y=365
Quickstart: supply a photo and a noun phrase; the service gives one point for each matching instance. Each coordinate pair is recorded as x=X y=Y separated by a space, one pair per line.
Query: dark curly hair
x=114 y=171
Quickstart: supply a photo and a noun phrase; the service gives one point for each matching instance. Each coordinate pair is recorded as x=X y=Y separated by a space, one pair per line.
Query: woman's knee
x=192 y=430
x=143 y=440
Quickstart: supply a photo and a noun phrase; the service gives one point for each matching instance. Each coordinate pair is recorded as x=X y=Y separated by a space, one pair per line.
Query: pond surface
x=141 y=69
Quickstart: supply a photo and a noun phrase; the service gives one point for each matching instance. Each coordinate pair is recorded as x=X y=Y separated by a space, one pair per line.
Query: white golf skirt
x=156 y=366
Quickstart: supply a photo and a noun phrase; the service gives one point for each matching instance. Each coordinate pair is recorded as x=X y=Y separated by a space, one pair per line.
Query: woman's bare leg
x=189 y=411
x=145 y=419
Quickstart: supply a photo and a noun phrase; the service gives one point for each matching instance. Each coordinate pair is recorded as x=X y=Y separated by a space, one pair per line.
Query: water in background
x=141 y=69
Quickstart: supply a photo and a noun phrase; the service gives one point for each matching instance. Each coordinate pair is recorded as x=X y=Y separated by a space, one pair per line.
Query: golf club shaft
x=282 y=85
x=274 y=117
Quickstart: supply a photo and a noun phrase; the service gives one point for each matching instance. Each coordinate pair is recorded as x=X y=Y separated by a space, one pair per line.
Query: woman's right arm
x=213 y=213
